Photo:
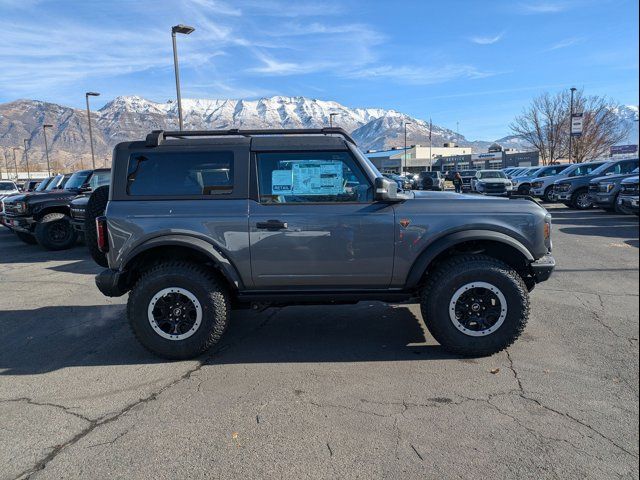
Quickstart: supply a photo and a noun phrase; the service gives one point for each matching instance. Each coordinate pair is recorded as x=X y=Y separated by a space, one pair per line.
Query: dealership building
x=450 y=158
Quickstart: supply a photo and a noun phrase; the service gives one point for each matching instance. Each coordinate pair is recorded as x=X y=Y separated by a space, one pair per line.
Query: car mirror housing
x=386 y=190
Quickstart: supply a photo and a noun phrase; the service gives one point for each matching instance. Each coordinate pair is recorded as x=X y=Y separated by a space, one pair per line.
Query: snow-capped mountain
x=132 y=117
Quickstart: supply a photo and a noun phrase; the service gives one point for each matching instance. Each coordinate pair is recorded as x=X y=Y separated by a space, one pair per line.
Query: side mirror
x=386 y=190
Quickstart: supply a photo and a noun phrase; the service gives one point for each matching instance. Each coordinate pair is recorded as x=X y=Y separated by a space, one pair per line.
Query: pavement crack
x=111 y=442
x=330 y=451
x=416 y=451
x=47 y=404
x=110 y=418
x=515 y=372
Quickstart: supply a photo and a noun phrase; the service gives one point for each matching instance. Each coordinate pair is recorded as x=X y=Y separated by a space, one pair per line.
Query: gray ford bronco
x=199 y=223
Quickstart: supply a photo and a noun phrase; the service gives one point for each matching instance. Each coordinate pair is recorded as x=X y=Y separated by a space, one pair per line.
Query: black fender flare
x=443 y=243
x=194 y=243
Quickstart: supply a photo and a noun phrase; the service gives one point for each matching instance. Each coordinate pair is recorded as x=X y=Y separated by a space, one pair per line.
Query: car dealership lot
x=334 y=392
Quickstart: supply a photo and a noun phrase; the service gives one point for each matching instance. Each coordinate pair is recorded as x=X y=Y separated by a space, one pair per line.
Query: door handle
x=271 y=225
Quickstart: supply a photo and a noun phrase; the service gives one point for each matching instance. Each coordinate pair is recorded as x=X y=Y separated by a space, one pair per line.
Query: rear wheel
x=475 y=305
x=178 y=310
x=55 y=232
x=26 y=238
x=95 y=208
x=582 y=200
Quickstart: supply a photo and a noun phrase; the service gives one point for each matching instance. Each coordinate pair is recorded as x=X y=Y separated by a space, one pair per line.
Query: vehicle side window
x=180 y=174
x=311 y=177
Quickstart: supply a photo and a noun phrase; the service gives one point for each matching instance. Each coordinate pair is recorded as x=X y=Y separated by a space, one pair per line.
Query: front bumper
x=603 y=199
x=629 y=202
x=563 y=196
x=112 y=283
x=20 y=224
x=542 y=268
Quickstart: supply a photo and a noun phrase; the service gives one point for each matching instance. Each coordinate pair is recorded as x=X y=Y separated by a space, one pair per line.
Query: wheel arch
x=185 y=247
x=496 y=244
x=63 y=209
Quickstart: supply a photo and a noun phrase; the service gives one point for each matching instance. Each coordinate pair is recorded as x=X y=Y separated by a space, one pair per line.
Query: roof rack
x=157 y=137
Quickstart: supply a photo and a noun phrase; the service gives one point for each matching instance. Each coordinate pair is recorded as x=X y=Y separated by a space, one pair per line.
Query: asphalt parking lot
x=324 y=392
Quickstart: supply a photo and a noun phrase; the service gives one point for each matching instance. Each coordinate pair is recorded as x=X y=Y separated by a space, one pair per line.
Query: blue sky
x=473 y=62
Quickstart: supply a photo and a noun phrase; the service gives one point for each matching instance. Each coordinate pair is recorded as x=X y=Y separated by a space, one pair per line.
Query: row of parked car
x=57 y=211
x=610 y=185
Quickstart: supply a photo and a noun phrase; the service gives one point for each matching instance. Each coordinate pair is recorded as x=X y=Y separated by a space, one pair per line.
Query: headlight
x=536 y=185
x=563 y=187
x=21 y=207
x=606 y=187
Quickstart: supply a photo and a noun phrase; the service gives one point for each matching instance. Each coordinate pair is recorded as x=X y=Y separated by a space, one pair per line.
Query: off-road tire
x=575 y=200
x=458 y=271
x=26 y=238
x=198 y=280
x=95 y=208
x=49 y=229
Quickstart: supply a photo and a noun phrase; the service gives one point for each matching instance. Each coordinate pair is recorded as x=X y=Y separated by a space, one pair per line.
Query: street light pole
x=405 y=146
x=573 y=89
x=86 y=96
x=26 y=157
x=46 y=146
x=185 y=30
x=15 y=161
x=331 y=115
x=430 y=145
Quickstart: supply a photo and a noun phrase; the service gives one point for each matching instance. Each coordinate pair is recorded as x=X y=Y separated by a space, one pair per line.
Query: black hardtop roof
x=282 y=136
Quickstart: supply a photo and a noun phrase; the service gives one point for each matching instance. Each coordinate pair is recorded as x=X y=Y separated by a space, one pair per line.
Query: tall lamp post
x=15 y=161
x=86 y=96
x=46 y=146
x=6 y=164
x=185 y=30
x=573 y=89
x=405 y=146
x=26 y=157
x=331 y=115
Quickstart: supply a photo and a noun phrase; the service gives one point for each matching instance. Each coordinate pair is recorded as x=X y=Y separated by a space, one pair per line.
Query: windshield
x=600 y=169
x=7 y=186
x=43 y=185
x=77 y=180
x=467 y=173
x=492 y=174
x=585 y=169
x=54 y=183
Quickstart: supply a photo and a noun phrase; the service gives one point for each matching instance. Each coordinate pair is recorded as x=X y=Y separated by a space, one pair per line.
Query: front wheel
x=55 y=232
x=178 y=310
x=475 y=305
x=547 y=194
x=581 y=200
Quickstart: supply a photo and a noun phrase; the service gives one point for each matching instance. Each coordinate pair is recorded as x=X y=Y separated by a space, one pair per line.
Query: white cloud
x=543 y=7
x=423 y=76
x=567 y=42
x=487 y=40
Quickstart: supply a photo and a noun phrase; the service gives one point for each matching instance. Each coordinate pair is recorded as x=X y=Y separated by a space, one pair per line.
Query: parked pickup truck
x=605 y=191
x=628 y=198
x=201 y=223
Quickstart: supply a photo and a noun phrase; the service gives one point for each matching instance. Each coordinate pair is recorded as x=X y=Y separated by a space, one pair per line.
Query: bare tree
x=545 y=124
x=601 y=127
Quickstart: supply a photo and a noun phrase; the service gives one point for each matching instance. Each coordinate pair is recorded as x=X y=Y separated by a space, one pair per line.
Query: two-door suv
x=200 y=223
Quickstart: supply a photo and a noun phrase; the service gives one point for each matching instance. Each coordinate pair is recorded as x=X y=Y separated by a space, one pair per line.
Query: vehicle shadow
x=14 y=250
x=628 y=232
x=51 y=338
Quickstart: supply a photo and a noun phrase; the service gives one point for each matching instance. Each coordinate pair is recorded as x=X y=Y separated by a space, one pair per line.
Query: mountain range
x=131 y=117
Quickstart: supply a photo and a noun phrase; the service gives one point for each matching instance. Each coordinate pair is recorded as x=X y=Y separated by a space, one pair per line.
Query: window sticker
x=318 y=178
x=282 y=182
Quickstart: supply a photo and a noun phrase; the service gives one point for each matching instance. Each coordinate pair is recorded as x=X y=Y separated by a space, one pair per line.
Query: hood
x=633 y=179
x=80 y=201
x=469 y=203
x=613 y=177
x=34 y=198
